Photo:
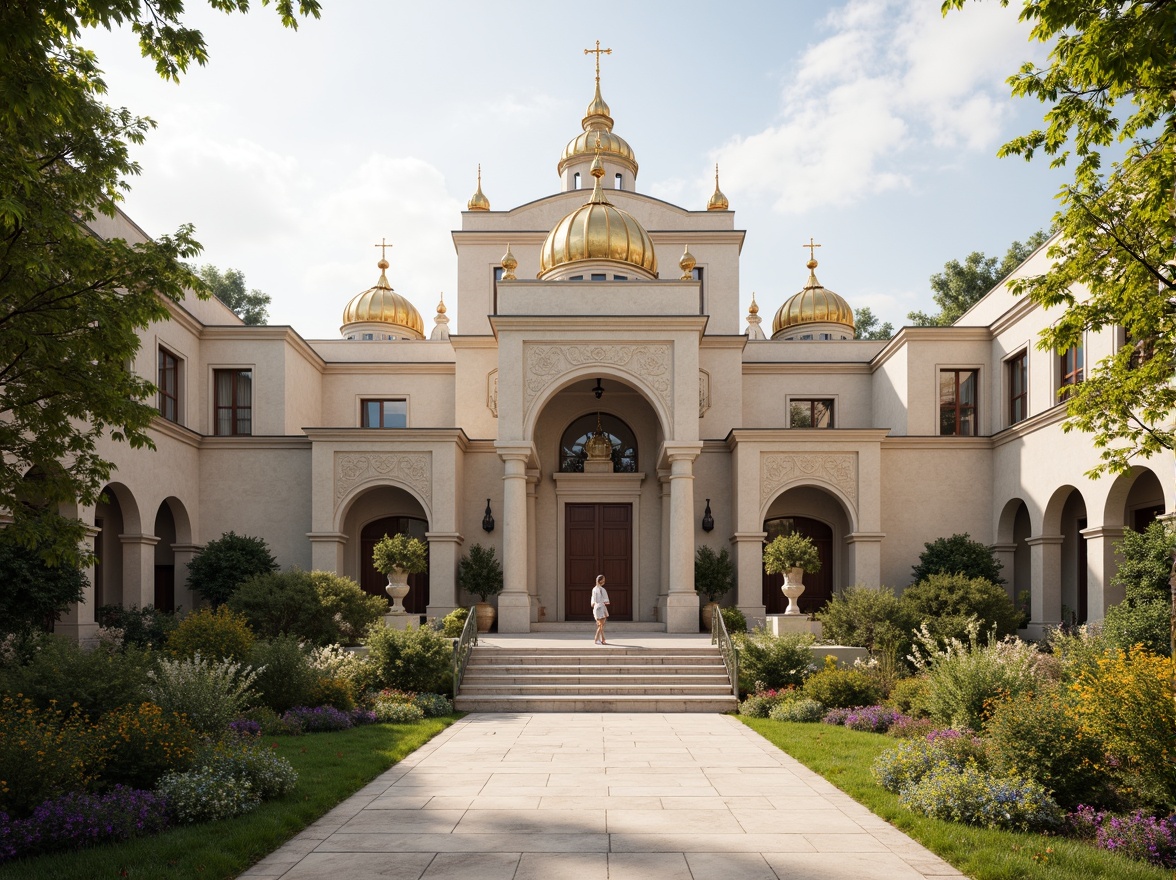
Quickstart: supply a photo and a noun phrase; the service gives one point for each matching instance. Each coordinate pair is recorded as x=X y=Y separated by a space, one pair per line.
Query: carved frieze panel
x=652 y=362
x=492 y=392
x=704 y=392
x=414 y=469
x=837 y=469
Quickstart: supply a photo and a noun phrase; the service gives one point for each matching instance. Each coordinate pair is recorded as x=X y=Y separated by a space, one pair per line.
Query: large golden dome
x=595 y=231
x=814 y=304
x=383 y=305
x=598 y=125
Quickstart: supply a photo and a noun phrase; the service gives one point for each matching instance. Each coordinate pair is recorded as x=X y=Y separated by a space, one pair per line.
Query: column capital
x=865 y=537
x=1003 y=548
x=326 y=537
x=145 y=540
x=515 y=450
x=444 y=537
x=1114 y=532
x=675 y=452
x=187 y=548
x=1039 y=540
x=740 y=537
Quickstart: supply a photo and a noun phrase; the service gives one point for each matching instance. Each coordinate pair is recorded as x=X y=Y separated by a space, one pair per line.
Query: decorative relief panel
x=703 y=392
x=492 y=392
x=412 y=468
x=653 y=362
x=780 y=469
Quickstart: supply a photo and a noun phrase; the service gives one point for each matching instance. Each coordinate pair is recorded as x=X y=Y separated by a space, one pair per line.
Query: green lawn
x=844 y=758
x=330 y=766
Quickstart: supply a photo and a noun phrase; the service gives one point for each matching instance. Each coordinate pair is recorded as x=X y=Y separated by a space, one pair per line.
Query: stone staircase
x=595 y=678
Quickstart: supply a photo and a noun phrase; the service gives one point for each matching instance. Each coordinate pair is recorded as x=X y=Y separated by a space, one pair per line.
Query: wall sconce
x=708 y=521
x=598 y=390
x=488 y=519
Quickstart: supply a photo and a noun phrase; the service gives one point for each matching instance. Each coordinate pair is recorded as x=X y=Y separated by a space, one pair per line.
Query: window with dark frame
x=957 y=403
x=389 y=413
x=1018 y=374
x=233 y=402
x=169 y=385
x=810 y=413
x=1071 y=362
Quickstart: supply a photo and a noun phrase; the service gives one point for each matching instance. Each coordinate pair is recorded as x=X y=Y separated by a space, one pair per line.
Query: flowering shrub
x=777 y=661
x=761 y=703
x=415 y=659
x=335 y=661
x=335 y=692
x=909 y=696
x=285 y=678
x=144 y=742
x=79 y=819
x=836 y=717
x=269 y=775
x=912 y=759
x=220 y=635
x=211 y=693
x=1138 y=836
x=245 y=728
x=842 y=688
x=972 y=796
x=206 y=795
x=43 y=753
x=906 y=727
x=318 y=719
x=398 y=713
x=433 y=705
x=803 y=710
x=872 y=719
x=359 y=717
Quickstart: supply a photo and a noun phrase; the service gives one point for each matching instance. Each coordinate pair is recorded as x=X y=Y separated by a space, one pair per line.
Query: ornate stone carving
x=653 y=363
x=779 y=469
x=703 y=392
x=492 y=392
x=415 y=469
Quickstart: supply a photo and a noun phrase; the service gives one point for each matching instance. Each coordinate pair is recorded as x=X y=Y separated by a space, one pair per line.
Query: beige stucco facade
x=709 y=400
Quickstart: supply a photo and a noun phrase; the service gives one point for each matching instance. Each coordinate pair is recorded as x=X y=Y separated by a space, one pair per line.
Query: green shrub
x=974 y=797
x=908 y=762
x=398 y=713
x=209 y=693
x=1145 y=563
x=804 y=710
x=776 y=661
x=285 y=677
x=349 y=609
x=874 y=619
x=453 y=623
x=1036 y=737
x=269 y=775
x=44 y=752
x=283 y=603
x=98 y=680
x=960 y=555
x=945 y=603
x=714 y=573
x=206 y=795
x=216 y=635
x=761 y=703
x=734 y=620
x=145 y=627
x=1144 y=622
x=479 y=572
x=400 y=551
x=33 y=592
x=909 y=696
x=415 y=659
x=143 y=743
x=1076 y=651
x=336 y=692
x=433 y=705
x=842 y=688
x=223 y=564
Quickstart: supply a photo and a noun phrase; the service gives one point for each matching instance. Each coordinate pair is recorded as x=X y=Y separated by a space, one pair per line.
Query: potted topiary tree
x=791 y=555
x=398 y=557
x=714 y=573
x=479 y=572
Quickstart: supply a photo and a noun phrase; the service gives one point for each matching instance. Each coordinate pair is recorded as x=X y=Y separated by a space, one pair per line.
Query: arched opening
x=116 y=514
x=1144 y=503
x=165 y=559
x=819 y=516
x=619 y=435
x=1021 y=576
x=1065 y=516
x=379 y=511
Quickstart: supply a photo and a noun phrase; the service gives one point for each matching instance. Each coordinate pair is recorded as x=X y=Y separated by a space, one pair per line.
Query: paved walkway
x=590 y=796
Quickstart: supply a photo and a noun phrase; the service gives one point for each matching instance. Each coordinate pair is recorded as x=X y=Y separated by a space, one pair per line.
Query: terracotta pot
x=707 y=615
x=793 y=588
x=486 y=614
x=397 y=588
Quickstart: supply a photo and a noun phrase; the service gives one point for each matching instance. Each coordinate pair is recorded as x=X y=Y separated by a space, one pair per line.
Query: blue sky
x=871 y=125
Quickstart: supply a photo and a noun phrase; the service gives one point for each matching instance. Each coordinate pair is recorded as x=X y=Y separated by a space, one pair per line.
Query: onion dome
x=387 y=314
x=598 y=132
x=814 y=313
x=478 y=201
x=595 y=232
x=509 y=264
x=441 y=322
x=718 y=201
x=754 y=331
x=687 y=264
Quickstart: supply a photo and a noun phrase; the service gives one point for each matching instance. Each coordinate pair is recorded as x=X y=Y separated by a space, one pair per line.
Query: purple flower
x=319 y=718
x=1138 y=836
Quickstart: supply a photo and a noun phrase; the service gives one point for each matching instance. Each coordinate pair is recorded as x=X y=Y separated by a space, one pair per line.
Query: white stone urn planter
x=397 y=588
x=793 y=588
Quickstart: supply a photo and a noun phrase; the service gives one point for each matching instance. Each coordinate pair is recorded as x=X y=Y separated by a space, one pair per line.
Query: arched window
x=576 y=180
x=620 y=435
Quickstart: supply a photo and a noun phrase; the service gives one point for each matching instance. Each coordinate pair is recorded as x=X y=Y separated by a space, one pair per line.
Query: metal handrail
x=727 y=647
x=463 y=646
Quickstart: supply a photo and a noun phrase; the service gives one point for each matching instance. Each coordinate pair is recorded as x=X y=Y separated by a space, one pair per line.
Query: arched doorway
x=818 y=585
x=165 y=559
x=372 y=581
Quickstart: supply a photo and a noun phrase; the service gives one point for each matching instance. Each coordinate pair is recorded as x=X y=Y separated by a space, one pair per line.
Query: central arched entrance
x=818 y=585
x=372 y=581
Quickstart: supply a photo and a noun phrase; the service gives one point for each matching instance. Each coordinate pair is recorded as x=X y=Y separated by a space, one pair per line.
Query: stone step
x=577 y=657
x=580 y=703
x=587 y=626
x=645 y=690
x=483 y=678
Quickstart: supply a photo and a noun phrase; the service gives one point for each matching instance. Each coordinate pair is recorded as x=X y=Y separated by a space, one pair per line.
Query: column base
x=680 y=612
x=514 y=613
x=85 y=634
x=756 y=615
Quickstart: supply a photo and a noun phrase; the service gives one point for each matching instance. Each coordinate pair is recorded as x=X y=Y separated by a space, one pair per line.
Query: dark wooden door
x=165 y=588
x=598 y=540
x=372 y=581
x=818 y=586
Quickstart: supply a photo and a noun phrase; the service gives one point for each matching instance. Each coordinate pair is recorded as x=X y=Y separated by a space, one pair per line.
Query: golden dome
x=813 y=305
x=687 y=264
x=383 y=305
x=598 y=125
x=598 y=230
x=509 y=264
x=478 y=201
x=718 y=201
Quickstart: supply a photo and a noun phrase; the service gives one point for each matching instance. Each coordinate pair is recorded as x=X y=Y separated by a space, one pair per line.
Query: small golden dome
x=478 y=201
x=598 y=128
x=441 y=310
x=383 y=305
x=718 y=201
x=813 y=305
x=509 y=264
x=753 y=309
x=687 y=264
x=598 y=230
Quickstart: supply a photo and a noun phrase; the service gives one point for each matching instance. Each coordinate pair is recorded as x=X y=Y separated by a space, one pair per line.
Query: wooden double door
x=818 y=585
x=598 y=539
x=372 y=581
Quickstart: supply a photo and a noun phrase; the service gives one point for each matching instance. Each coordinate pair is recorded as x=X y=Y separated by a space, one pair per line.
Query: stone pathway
x=591 y=796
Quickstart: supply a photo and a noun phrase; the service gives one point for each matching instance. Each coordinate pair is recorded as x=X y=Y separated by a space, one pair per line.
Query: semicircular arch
x=132 y=520
x=657 y=398
x=1007 y=520
x=1051 y=520
x=357 y=491
x=1115 y=507
x=848 y=508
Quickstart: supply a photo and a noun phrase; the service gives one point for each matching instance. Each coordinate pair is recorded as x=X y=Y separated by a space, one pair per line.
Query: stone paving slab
x=654 y=797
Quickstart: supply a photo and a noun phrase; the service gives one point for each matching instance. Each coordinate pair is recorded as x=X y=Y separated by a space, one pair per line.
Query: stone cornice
x=596 y=323
x=725 y=341
x=929 y=334
x=806 y=437
x=935 y=441
x=473 y=341
x=177 y=432
x=275 y=441
x=442 y=368
x=388 y=436
x=1031 y=425
x=265 y=333
x=796 y=368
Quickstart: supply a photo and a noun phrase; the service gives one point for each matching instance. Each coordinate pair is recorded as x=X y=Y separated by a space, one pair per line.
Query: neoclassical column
x=682 y=602
x=185 y=598
x=444 y=549
x=326 y=551
x=865 y=559
x=1006 y=555
x=514 y=604
x=532 y=544
x=138 y=554
x=663 y=479
x=1045 y=565
x=1101 y=564
x=78 y=623
x=749 y=576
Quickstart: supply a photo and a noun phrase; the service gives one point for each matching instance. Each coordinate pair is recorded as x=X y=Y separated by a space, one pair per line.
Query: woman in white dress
x=600 y=608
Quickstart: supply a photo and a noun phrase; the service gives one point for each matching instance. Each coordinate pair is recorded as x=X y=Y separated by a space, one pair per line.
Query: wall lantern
x=598 y=390
x=488 y=519
x=708 y=521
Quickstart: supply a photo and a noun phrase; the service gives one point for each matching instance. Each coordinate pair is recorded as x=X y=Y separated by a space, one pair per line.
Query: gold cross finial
x=812 y=248
x=383 y=246
x=598 y=52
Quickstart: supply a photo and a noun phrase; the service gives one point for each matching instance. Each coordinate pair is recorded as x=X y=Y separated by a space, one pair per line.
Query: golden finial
x=441 y=305
x=753 y=309
x=687 y=264
x=812 y=263
x=383 y=246
x=509 y=264
x=597 y=170
x=478 y=201
x=598 y=52
x=718 y=201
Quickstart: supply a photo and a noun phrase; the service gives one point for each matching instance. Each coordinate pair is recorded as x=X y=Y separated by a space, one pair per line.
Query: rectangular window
x=385 y=413
x=169 y=385
x=233 y=402
x=811 y=413
x=1018 y=375
x=957 y=402
x=1071 y=364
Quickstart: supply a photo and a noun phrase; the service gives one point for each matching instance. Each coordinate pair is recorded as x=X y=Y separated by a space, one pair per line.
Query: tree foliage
x=958 y=554
x=1108 y=81
x=867 y=325
x=32 y=593
x=949 y=604
x=961 y=285
x=71 y=301
x=224 y=564
x=251 y=306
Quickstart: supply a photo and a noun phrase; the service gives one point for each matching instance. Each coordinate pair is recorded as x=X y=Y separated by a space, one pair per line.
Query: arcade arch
x=818 y=514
